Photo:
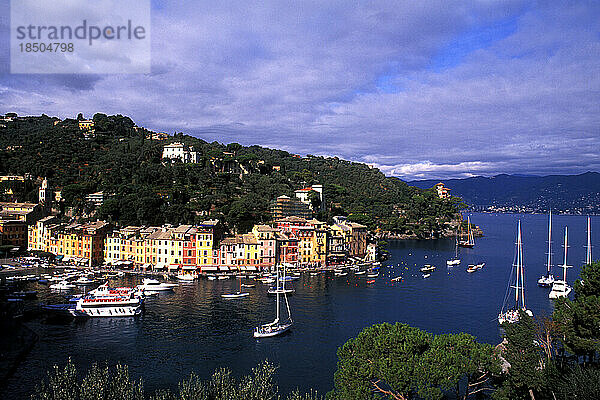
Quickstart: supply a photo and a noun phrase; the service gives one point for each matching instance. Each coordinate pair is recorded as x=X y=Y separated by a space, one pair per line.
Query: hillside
x=119 y=159
x=577 y=194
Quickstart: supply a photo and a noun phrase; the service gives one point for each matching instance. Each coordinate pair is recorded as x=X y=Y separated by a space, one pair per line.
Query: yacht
x=511 y=315
x=548 y=279
x=185 y=277
x=152 y=285
x=84 y=280
x=277 y=327
x=560 y=287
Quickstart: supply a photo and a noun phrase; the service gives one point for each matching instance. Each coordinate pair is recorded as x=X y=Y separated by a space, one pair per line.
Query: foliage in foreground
x=104 y=383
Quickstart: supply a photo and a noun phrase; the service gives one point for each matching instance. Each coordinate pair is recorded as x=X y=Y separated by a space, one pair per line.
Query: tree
x=399 y=361
x=578 y=321
x=525 y=375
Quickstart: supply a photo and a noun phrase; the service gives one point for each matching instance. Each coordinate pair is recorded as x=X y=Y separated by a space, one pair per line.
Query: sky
x=419 y=89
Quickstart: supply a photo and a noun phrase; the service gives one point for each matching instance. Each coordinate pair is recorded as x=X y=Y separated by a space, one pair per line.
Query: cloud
x=422 y=89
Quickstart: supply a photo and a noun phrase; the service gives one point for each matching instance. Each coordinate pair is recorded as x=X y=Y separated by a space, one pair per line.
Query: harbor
x=193 y=328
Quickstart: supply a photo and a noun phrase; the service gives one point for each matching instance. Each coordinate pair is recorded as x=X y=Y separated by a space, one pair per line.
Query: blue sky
x=431 y=89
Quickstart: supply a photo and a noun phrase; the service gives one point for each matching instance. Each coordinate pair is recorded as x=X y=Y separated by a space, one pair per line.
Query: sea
x=193 y=329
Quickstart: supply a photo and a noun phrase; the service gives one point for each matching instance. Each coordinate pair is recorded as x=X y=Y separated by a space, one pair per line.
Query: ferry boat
x=120 y=306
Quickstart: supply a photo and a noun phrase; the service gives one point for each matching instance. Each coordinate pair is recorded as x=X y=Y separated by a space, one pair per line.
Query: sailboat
x=236 y=295
x=277 y=327
x=454 y=261
x=469 y=241
x=512 y=314
x=588 y=253
x=280 y=289
x=560 y=287
x=548 y=279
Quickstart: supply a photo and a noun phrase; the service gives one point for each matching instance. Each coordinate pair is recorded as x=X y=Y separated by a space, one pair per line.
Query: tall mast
x=520 y=267
x=277 y=287
x=565 y=260
x=549 y=242
x=518 y=261
x=588 y=255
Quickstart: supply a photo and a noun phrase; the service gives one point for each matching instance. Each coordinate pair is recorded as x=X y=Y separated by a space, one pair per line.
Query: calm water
x=194 y=329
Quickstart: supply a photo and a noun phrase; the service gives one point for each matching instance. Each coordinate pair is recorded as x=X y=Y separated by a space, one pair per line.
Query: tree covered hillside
x=119 y=159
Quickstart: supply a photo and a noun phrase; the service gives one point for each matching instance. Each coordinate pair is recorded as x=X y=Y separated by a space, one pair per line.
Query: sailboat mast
x=521 y=268
x=549 y=242
x=277 y=287
x=565 y=260
x=588 y=255
x=517 y=273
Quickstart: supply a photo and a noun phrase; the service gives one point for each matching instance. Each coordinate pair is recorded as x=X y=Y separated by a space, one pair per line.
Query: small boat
x=480 y=265
x=276 y=327
x=472 y=268
x=222 y=277
x=397 y=279
x=512 y=315
x=186 y=277
x=84 y=280
x=373 y=275
x=152 y=285
x=560 y=287
x=62 y=285
x=427 y=268
x=212 y=278
x=371 y=281
x=235 y=295
x=341 y=274
x=425 y=276
x=455 y=260
x=360 y=272
x=248 y=285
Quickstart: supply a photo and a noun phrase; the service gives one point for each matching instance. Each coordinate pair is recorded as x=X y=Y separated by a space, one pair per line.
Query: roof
x=249 y=238
x=265 y=228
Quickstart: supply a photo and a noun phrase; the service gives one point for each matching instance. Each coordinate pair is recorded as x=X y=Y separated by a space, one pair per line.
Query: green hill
x=119 y=159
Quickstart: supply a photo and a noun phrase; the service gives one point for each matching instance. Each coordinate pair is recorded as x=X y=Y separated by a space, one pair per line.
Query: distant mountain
x=576 y=194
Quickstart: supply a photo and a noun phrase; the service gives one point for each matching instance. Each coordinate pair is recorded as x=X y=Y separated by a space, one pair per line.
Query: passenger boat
x=548 y=279
x=560 y=287
x=120 y=306
x=152 y=285
x=277 y=327
x=510 y=315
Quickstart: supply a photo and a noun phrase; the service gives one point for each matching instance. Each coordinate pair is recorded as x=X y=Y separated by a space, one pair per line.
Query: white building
x=304 y=194
x=180 y=151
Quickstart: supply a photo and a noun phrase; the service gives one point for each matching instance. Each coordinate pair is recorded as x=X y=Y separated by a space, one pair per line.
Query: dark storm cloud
x=421 y=89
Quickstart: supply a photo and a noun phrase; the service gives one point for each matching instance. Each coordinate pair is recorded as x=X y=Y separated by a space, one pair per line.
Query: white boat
x=469 y=241
x=152 y=285
x=548 y=279
x=106 y=291
x=360 y=272
x=588 y=252
x=480 y=265
x=222 y=277
x=425 y=276
x=341 y=274
x=186 y=277
x=373 y=275
x=471 y=268
x=510 y=315
x=427 y=268
x=397 y=279
x=122 y=306
x=62 y=285
x=560 y=288
x=84 y=280
x=277 y=327
x=212 y=278
x=235 y=295
x=455 y=260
